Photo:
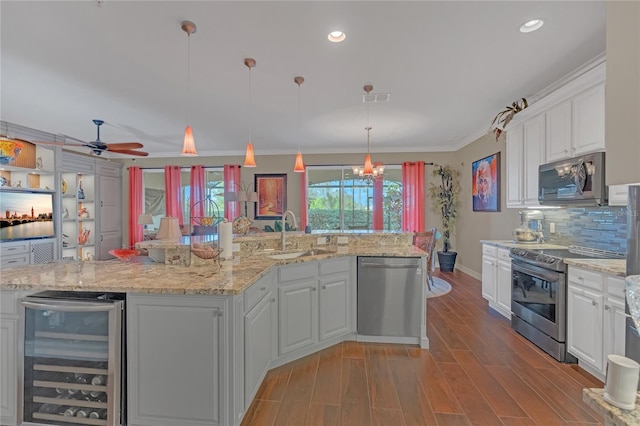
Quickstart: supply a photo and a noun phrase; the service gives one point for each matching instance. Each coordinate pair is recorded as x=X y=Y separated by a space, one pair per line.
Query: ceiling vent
x=376 y=97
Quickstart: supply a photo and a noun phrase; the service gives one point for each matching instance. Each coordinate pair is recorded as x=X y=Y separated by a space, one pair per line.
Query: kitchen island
x=249 y=315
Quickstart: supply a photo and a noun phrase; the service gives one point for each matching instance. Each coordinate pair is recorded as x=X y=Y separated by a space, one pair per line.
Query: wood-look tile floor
x=476 y=371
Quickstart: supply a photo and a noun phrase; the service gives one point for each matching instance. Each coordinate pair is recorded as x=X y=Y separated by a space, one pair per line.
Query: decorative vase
x=80 y=190
x=447 y=260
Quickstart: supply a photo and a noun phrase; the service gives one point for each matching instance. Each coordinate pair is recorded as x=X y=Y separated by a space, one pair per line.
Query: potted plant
x=446 y=199
x=503 y=118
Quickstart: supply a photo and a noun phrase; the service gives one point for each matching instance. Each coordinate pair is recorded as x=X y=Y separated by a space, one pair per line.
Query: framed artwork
x=485 y=184
x=272 y=195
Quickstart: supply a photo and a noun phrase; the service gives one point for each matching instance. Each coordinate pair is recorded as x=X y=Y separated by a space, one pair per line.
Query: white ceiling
x=450 y=66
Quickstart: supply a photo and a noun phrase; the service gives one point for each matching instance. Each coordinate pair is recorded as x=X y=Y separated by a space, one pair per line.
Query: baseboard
x=470 y=272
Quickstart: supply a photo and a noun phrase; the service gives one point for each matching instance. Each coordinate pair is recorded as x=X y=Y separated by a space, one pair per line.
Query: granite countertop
x=142 y=275
x=616 y=267
x=594 y=398
x=608 y=266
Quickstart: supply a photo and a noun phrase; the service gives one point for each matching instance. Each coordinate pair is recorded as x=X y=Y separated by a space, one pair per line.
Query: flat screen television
x=26 y=215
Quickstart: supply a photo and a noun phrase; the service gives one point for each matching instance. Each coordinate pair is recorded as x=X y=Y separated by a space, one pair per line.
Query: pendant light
x=189 y=144
x=249 y=159
x=299 y=165
x=369 y=172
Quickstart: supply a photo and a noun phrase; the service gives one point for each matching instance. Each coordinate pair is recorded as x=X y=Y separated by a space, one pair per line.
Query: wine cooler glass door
x=70 y=368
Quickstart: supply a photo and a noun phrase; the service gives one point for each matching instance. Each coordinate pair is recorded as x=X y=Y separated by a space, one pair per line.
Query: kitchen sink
x=293 y=255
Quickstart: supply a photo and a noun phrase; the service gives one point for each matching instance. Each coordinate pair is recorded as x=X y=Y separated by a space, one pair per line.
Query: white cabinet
x=109 y=206
x=91 y=207
x=259 y=334
x=525 y=153
x=576 y=125
x=9 y=317
x=177 y=359
x=297 y=307
x=558 y=134
x=315 y=304
x=496 y=278
x=587 y=118
x=595 y=318
x=21 y=253
x=619 y=194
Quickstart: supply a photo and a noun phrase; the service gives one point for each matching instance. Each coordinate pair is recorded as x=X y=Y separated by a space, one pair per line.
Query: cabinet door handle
x=594 y=303
x=606 y=307
x=101 y=203
x=263 y=288
x=324 y=287
x=273 y=300
x=314 y=289
x=581 y=278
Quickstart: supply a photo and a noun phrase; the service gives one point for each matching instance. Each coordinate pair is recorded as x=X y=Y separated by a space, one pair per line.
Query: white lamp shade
x=169 y=229
x=145 y=219
x=230 y=196
x=242 y=196
x=253 y=197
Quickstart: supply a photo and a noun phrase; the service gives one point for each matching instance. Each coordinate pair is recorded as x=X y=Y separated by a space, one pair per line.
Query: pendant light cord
x=250 y=107
x=189 y=78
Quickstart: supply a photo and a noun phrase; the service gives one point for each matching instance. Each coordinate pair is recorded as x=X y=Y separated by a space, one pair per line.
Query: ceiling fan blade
x=130 y=152
x=79 y=141
x=123 y=145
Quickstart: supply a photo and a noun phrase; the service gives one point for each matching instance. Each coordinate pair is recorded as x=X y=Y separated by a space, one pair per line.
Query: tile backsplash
x=597 y=227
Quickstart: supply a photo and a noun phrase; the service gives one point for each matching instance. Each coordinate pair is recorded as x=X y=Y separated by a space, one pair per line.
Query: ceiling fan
x=97 y=147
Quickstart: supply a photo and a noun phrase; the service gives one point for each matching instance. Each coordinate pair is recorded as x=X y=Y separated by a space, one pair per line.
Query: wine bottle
x=98 y=380
x=70 y=412
x=83 y=412
x=98 y=414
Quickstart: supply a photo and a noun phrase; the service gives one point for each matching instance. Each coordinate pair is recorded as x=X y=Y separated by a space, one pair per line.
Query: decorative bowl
x=124 y=254
x=205 y=251
x=241 y=225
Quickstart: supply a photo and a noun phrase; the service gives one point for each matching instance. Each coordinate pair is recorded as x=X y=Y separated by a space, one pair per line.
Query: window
x=154 y=191
x=337 y=200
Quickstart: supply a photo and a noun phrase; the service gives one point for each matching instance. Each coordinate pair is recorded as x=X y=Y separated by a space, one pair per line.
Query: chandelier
x=369 y=171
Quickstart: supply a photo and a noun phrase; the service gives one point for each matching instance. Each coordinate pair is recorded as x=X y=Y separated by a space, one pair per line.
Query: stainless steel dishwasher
x=390 y=296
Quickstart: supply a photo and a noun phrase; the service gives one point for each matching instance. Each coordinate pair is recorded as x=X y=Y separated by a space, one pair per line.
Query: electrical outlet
x=343 y=240
x=321 y=241
x=235 y=247
x=552 y=228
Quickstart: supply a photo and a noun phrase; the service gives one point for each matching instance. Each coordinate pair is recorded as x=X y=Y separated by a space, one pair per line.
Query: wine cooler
x=71 y=359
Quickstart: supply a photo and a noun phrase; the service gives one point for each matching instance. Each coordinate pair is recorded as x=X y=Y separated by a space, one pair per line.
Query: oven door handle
x=57 y=306
x=546 y=275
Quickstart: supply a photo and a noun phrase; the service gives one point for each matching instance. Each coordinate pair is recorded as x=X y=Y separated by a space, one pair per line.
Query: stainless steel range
x=539 y=294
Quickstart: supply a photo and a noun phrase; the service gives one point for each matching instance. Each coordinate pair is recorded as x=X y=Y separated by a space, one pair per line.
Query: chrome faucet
x=284 y=227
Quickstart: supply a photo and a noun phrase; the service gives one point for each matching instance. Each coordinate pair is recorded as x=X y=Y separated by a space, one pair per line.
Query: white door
x=558 y=131
x=533 y=156
x=257 y=347
x=334 y=306
x=503 y=293
x=514 y=165
x=297 y=316
x=615 y=322
x=8 y=369
x=584 y=325
x=588 y=121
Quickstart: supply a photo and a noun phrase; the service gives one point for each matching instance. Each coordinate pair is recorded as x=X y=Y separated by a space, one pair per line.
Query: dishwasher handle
x=390 y=266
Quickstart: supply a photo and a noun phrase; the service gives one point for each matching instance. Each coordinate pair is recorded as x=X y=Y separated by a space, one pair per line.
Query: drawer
x=335 y=266
x=15 y=260
x=256 y=292
x=503 y=254
x=584 y=278
x=616 y=287
x=489 y=250
x=297 y=272
x=8 y=249
x=8 y=302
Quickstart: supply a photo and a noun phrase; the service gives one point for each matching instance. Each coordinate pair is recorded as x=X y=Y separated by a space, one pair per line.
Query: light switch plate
x=321 y=241
x=552 y=228
x=343 y=240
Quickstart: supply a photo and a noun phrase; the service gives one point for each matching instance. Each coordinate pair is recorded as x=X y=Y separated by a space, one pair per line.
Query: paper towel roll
x=225 y=239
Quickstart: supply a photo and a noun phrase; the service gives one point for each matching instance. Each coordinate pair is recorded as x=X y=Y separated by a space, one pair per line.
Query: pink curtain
x=378 y=218
x=303 y=199
x=136 y=206
x=231 y=184
x=173 y=187
x=413 y=196
x=197 y=192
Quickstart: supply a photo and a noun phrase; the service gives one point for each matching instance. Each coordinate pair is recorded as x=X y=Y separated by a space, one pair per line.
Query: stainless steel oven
x=539 y=295
x=71 y=359
x=538 y=306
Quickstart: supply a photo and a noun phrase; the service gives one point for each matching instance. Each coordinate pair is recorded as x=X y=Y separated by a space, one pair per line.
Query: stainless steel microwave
x=575 y=181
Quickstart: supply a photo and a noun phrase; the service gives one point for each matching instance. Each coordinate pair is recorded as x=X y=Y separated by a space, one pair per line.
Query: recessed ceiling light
x=336 y=36
x=530 y=26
